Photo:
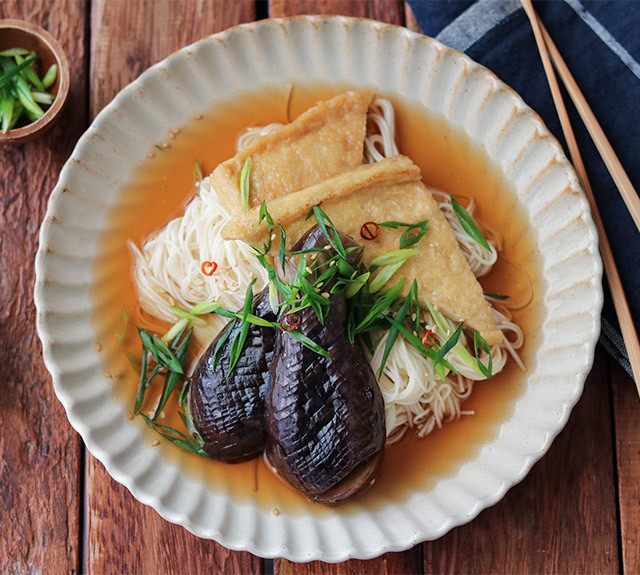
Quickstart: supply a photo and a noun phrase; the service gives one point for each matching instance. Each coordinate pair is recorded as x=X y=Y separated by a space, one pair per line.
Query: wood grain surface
x=577 y=511
x=627 y=433
x=40 y=457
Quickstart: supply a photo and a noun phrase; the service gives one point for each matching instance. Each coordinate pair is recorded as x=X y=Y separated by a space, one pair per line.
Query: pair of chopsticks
x=548 y=52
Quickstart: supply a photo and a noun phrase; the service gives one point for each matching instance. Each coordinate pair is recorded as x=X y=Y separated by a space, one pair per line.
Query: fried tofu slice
x=388 y=190
x=324 y=141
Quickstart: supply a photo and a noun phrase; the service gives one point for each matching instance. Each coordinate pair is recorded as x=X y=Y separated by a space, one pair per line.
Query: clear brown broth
x=159 y=190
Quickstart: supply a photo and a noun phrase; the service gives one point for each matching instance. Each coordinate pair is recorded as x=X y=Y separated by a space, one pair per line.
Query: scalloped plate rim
x=154 y=501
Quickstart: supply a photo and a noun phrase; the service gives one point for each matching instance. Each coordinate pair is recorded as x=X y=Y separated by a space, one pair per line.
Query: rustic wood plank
x=627 y=431
x=39 y=452
x=561 y=518
x=127 y=37
x=392 y=12
x=410 y=19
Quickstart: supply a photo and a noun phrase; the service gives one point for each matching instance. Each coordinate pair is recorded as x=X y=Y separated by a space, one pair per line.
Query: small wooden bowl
x=19 y=34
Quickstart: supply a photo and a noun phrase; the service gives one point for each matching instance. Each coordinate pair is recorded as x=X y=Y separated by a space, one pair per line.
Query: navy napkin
x=600 y=42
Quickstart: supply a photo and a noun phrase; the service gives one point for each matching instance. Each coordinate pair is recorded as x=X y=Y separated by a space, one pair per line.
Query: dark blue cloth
x=600 y=42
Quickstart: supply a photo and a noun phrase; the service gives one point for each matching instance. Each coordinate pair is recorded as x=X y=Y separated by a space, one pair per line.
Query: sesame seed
x=108 y=375
x=98 y=347
x=307 y=269
x=273 y=237
x=172 y=135
x=163 y=414
x=129 y=416
x=165 y=145
x=314 y=256
x=413 y=316
x=155 y=443
x=325 y=294
x=151 y=155
x=198 y=116
x=276 y=512
x=320 y=285
x=327 y=247
x=332 y=263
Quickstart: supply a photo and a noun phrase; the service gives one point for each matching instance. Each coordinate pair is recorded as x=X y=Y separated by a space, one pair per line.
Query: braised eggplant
x=325 y=416
x=228 y=409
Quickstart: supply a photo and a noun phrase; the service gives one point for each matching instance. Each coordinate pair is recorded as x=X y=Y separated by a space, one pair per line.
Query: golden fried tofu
x=326 y=140
x=388 y=190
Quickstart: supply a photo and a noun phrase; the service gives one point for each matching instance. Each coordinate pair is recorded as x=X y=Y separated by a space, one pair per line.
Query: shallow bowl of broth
x=470 y=134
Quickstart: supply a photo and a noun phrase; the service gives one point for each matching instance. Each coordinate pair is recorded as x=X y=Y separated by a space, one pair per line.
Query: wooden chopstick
x=619 y=299
x=622 y=181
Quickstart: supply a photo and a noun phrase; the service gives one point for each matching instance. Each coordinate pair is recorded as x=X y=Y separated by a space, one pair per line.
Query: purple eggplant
x=325 y=416
x=228 y=409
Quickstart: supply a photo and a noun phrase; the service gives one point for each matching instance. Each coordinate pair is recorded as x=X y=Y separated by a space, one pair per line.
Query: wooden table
x=578 y=511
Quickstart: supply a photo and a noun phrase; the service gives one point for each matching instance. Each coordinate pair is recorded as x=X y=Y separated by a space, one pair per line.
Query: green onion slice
x=468 y=223
x=244 y=184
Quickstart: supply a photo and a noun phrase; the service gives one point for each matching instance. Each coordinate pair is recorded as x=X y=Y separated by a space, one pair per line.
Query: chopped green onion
x=468 y=223
x=244 y=184
x=393 y=332
x=204 y=308
x=197 y=173
x=265 y=215
x=43 y=98
x=322 y=220
x=283 y=244
x=50 y=77
x=172 y=377
x=356 y=284
x=175 y=329
x=29 y=74
x=496 y=296
x=11 y=52
x=123 y=323
x=390 y=263
x=7 y=103
x=220 y=343
x=241 y=334
x=443 y=326
x=405 y=239
x=393 y=257
x=17 y=112
x=378 y=308
x=448 y=345
x=142 y=386
x=160 y=351
x=188 y=315
x=133 y=360
x=480 y=343
x=385 y=273
x=11 y=70
x=176 y=437
x=308 y=342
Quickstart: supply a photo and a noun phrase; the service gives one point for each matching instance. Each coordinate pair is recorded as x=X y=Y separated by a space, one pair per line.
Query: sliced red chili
x=290 y=321
x=208 y=268
x=429 y=338
x=369 y=231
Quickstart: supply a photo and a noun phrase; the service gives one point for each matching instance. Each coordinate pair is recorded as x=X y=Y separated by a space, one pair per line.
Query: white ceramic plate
x=345 y=51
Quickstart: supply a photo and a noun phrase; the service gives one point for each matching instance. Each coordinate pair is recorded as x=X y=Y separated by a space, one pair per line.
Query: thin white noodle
x=168 y=273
